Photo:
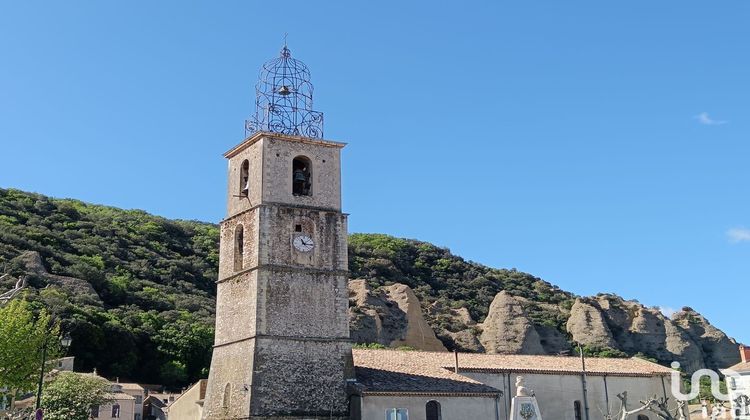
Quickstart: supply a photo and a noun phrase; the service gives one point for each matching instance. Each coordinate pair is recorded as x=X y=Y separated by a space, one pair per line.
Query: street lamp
x=65 y=343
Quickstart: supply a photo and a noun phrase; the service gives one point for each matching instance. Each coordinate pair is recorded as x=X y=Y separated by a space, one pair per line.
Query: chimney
x=745 y=354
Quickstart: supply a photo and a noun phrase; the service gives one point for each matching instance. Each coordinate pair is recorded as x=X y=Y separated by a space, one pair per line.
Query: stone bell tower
x=282 y=348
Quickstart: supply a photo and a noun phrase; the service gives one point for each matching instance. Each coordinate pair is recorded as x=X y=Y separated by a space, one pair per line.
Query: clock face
x=303 y=243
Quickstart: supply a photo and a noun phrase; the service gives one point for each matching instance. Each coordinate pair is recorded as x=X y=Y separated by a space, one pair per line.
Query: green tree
x=22 y=338
x=187 y=345
x=70 y=396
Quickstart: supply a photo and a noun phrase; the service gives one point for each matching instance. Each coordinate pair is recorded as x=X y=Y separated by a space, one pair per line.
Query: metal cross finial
x=286 y=34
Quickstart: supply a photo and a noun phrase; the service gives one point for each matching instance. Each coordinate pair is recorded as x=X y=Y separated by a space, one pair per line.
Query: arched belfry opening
x=245 y=178
x=301 y=176
x=284 y=99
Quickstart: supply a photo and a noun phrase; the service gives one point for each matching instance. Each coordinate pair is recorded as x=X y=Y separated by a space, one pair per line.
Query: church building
x=282 y=348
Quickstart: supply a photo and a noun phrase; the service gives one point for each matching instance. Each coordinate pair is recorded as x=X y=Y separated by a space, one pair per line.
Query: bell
x=284 y=90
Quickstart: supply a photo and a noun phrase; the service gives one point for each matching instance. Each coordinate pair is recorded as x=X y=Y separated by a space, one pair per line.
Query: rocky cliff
x=605 y=325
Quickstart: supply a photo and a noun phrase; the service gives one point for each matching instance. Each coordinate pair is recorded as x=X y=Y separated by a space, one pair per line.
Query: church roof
x=742 y=367
x=394 y=371
x=388 y=372
x=517 y=363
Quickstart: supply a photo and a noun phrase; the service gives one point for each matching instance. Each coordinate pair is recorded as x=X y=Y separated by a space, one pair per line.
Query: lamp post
x=65 y=342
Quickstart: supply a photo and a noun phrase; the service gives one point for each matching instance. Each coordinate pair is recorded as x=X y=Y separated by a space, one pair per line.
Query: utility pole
x=585 y=385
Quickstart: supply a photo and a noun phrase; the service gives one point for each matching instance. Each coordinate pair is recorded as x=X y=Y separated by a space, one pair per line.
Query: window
x=94 y=411
x=577 y=409
x=301 y=176
x=642 y=417
x=397 y=414
x=116 y=411
x=239 y=247
x=138 y=399
x=227 y=396
x=432 y=410
x=298 y=228
x=245 y=178
x=137 y=416
x=732 y=383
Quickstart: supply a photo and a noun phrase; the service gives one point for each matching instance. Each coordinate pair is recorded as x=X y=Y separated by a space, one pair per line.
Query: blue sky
x=602 y=146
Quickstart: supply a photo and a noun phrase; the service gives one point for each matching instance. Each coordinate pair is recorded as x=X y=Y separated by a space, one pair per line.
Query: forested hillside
x=136 y=292
x=150 y=317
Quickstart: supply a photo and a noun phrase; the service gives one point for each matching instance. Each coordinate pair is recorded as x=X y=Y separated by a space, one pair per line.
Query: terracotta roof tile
x=130 y=386
x=392 y=371
x=416 y=371
x=557 y=364
x=741 y=367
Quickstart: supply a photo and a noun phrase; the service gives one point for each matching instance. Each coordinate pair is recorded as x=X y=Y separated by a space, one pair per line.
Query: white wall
x=452 y=408
x=127 y=410
x=556 y=394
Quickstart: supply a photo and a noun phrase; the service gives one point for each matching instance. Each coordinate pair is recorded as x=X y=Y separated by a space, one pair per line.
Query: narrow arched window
x=301 y=176
x=432 y=410
x=577 y=409
x=642 y=417
x=227 y=396
x=239 y=247
x=245 y=178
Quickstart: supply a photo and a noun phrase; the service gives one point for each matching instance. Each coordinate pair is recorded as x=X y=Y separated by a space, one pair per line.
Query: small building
x=403 y=385
x=189 y=404
x=156 y=405
x=154 y=408
x=121 y=407
x=739 y=386
x=63 y=364
x=137 y=392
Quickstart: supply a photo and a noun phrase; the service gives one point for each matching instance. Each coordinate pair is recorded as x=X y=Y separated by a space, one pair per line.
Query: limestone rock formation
x=720 y=351
x=587 y=325
x=466 y=340
x=507 y=328
x=683 y=348
x=392 y=317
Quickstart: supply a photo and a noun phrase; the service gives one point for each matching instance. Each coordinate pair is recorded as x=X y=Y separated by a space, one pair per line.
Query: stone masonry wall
x=302 y=304
x=254 y=155
x=249 y=222
x=231 y=366
x=236 y=308
x=327 y=229
x=278 y=155
x=303 y=378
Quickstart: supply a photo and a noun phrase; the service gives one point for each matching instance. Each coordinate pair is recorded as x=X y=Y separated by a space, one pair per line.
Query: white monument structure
x=524 y=405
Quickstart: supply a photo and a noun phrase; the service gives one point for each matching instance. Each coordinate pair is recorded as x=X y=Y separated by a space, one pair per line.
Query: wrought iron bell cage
x=284 y=99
